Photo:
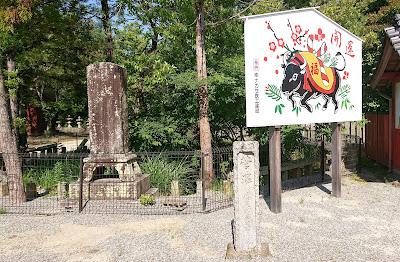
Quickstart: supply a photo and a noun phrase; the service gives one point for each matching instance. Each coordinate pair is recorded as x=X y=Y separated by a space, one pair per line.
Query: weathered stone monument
x=109 y=138
x=246 y=194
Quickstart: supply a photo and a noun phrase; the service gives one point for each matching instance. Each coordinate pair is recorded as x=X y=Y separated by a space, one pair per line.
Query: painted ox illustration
x=307 y=77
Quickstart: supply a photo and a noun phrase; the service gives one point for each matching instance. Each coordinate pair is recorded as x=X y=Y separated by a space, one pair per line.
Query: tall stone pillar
x=246 y=194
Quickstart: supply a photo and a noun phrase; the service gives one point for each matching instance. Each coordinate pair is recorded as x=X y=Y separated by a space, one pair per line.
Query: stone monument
x=246 y=194
x=109 y=138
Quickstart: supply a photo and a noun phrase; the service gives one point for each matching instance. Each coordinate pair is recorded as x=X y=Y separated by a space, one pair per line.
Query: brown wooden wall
x=377 y=138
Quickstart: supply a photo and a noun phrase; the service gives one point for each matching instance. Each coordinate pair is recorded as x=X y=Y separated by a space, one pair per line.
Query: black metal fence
x=168 y=183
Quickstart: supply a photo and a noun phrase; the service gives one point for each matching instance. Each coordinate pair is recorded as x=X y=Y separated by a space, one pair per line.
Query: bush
x=147 y=199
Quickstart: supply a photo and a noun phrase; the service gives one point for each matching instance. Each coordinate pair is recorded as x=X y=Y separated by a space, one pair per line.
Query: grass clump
x=2 y=211
x=48 y=178
x=163 y=171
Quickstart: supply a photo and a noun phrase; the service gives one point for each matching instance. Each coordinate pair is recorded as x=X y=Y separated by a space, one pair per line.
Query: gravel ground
x=363 y=225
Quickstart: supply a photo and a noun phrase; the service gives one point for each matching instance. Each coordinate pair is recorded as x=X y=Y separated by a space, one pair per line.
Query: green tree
x=11 y=12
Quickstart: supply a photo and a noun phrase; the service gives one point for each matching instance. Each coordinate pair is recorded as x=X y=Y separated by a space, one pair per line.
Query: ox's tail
x=341 y=62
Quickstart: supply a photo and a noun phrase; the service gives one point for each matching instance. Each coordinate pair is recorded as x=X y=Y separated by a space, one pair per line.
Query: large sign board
x=301 y=67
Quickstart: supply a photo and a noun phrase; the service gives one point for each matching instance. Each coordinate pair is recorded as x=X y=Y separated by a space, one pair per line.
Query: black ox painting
x=301 y=67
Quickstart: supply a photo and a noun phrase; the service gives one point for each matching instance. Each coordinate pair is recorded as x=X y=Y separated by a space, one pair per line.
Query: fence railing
x=54 y=183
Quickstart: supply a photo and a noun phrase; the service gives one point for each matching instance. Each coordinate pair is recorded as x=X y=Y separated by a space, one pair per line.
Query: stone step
x=152 y=192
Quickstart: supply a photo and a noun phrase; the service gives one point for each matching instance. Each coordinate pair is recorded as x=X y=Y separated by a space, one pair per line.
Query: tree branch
x=234 y=16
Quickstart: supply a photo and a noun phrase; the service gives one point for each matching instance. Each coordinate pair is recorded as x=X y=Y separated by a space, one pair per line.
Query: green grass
x=357 y=178
x=2 y=211
x=163 y=171
x=48 y=178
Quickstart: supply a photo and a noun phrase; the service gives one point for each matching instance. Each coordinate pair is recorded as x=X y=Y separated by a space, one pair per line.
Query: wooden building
x=383 y=131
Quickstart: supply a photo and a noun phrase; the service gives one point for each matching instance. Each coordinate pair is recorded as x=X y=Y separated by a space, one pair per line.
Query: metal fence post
x=359 y=156
x=203 y=193
x=81 y=185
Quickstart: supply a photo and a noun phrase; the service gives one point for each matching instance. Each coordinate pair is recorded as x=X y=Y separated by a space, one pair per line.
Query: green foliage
x=297 y=109
x=278 y=108
x=218 y=185
x=147 y=199
x=294 y=145
x=163 y=171
x=373 y=102
x=3 y=211
x=48 y=178
x=274 y=92
x=21 y=124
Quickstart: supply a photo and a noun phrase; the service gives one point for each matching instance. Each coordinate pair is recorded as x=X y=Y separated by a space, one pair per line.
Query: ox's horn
x=303 y=67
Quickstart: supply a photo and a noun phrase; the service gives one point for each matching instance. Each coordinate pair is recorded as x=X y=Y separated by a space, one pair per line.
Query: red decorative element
x=265 y=58
x=268 y=27
x=281 y=43
x=288 y=24
x=298 y=29
x=294 y=37
x=266 y=88
x=276 y=72
x=311 y=37
x=272 y=46
x=277 y=57
x=346 y=75
x=316 y=37
x=336 y=38
x=319 y=31
x=349 y=49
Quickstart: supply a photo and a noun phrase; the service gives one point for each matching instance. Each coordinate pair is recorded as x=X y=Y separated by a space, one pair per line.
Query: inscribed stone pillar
x=108 y=108
x=246 y=194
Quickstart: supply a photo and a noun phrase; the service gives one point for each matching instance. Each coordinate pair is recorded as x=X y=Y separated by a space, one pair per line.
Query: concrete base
x=111 y=189
x=260 y=252
x=3 y=189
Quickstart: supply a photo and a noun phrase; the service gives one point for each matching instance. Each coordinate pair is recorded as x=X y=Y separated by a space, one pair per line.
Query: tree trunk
x=107 y=30
x=10 y=152
x=21 y=137
x=14 y=97
x=205 y=132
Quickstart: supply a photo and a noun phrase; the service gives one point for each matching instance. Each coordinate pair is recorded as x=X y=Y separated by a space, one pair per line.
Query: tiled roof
x=393 y=33
x=389 y=58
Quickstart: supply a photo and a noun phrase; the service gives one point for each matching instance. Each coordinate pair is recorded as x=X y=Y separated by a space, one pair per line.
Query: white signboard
x=301 y=67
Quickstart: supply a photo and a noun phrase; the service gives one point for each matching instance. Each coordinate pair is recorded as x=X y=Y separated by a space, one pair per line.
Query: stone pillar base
x=261 y=252
x=111 y=189
x=128 y=169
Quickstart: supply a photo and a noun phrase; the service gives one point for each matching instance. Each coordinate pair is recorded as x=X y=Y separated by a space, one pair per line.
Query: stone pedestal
x=228 y=188
x=111 y=189
x=125 y=164
x=175 y=188
x=3 y=189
